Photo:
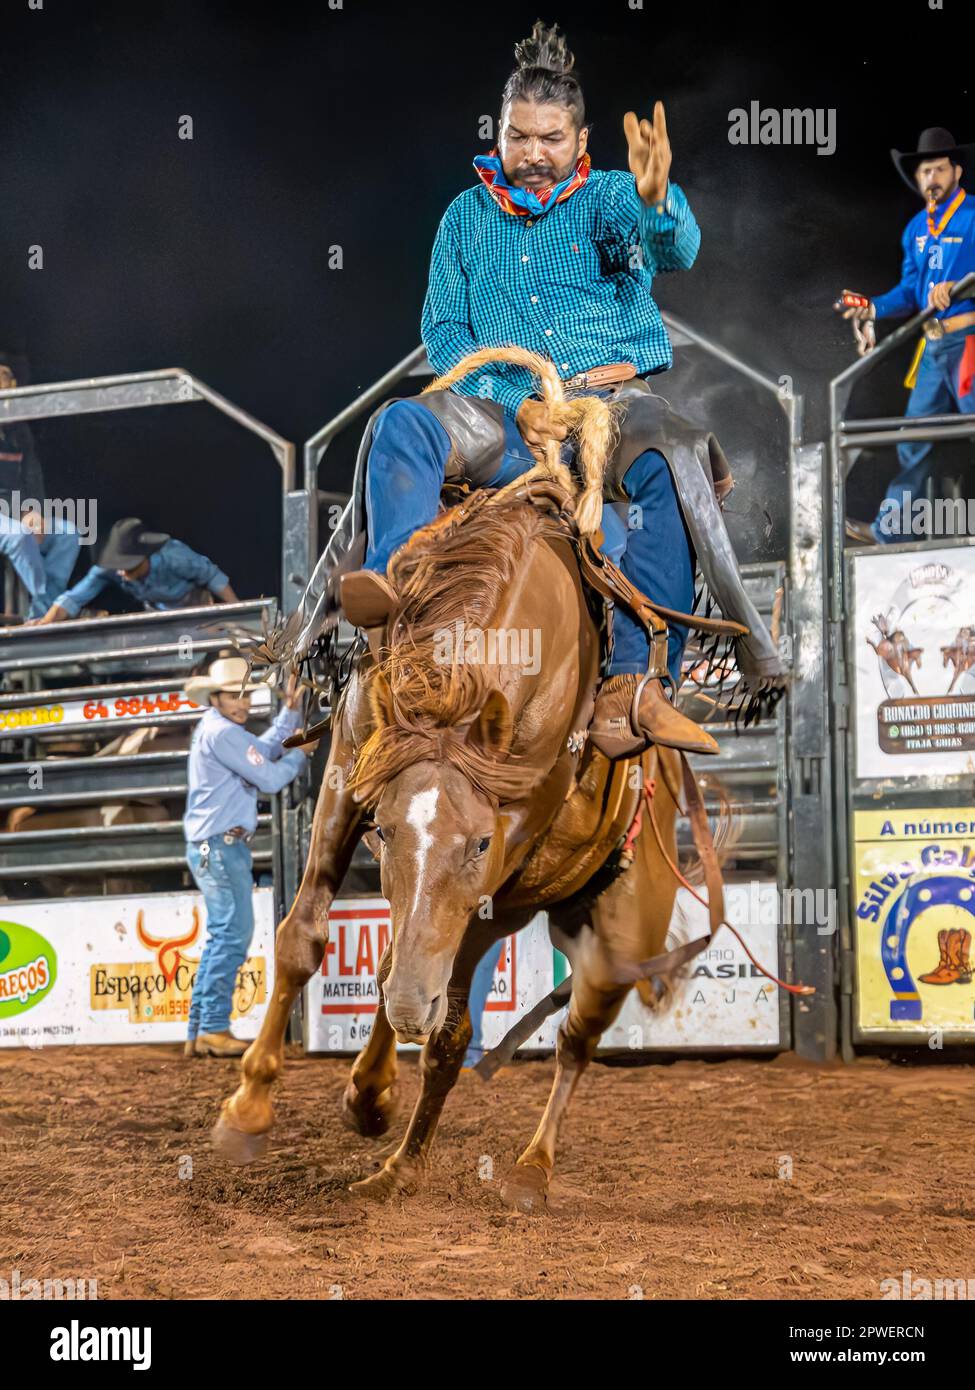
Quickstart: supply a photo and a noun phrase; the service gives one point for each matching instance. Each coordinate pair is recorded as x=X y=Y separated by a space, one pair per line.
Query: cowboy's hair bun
x=546 y=48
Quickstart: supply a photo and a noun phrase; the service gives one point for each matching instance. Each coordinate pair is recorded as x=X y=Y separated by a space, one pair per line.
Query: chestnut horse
x=488 y=802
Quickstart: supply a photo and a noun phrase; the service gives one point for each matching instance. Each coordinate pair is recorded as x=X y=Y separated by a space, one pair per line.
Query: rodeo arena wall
x=852 y=844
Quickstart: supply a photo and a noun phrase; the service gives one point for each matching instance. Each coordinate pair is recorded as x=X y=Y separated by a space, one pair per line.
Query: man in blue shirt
x=939 y=249
x=227 y=769
x=551 y=255
x=154 y=569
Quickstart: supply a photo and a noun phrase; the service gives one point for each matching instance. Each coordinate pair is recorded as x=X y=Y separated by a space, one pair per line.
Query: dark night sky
x=356 y=127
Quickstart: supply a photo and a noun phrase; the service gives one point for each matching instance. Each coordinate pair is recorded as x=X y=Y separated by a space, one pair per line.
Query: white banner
x=724 y=1002
x=914 y=662
x=118 y=970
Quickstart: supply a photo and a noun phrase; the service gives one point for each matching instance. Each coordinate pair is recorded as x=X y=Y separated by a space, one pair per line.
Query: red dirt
x=667 y=1183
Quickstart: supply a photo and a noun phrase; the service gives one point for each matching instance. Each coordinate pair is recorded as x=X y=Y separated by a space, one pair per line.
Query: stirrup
x=656 y=670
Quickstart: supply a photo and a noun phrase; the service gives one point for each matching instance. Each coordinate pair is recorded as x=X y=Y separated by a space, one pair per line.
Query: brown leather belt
x=600 y=376
x=937 y=328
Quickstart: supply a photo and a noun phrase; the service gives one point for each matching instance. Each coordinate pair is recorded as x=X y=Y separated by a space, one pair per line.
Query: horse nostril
x=432 y=1013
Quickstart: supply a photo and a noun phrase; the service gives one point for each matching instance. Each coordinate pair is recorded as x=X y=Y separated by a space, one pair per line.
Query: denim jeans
x=19 y=545
x=647 y=538
x=935 y=393
x=224 y=878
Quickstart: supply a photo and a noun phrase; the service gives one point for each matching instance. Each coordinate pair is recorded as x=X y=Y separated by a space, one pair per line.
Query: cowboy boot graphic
x=959 y=956
x=942 y=974
x=954 y=966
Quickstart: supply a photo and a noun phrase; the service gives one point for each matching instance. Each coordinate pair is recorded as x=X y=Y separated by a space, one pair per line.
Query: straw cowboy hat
x=228 y=673
x=932 y=144
x=128 y=544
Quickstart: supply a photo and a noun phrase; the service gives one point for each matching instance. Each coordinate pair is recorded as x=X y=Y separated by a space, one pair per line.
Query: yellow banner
x=151 y=995
x=914 y=886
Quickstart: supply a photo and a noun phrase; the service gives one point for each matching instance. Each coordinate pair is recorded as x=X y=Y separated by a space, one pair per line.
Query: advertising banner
x=914 y=918
x=914 y=662
x=341 y=999
x=107 y=712
x=117 y=970
x=724 y=1002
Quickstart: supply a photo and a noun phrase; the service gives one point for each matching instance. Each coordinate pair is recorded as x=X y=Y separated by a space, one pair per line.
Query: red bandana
x=524 y=202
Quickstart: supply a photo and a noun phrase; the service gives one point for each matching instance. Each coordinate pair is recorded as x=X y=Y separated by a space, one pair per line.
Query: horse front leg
x=592 y=1008
x=240 y=1134
x=440 y=1064
x=369 y=1100
x=629 y=922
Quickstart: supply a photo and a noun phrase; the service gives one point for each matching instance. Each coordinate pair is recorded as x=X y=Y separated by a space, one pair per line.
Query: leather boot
x=220 y=1045
x=944 y=972
x=189 y=1047
x=959 y=956
x=619 y=730
x=367 y=599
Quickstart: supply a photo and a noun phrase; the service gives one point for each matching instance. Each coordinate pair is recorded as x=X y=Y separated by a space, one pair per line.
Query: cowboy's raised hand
x=650 y=154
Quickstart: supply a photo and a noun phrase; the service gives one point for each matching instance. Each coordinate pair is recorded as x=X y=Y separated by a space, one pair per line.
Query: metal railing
x=132 y=390
x=168 y=645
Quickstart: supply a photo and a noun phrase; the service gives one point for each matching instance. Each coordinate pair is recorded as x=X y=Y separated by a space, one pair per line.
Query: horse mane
x=455 y=570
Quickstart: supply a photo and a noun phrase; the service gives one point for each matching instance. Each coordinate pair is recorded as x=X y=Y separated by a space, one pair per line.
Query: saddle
x=366 y=600
x=604 y=582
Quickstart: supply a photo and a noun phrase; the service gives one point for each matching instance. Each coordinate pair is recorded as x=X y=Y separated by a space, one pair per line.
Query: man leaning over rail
x=939 y=249
x=153 y=568
x=227 y=769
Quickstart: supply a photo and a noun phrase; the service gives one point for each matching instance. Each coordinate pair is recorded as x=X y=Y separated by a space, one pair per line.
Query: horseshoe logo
x=938 y=891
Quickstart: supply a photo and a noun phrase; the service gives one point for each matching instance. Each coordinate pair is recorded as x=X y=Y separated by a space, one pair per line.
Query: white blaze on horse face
x=420 y=815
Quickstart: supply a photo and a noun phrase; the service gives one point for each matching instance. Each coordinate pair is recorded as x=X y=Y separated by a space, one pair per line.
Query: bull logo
x=167 y=948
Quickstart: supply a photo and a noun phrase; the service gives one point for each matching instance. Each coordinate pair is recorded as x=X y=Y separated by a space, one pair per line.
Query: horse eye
x=378 y=830
x=483 y=844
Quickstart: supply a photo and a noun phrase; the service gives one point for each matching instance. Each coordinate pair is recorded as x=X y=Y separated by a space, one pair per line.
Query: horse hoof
x=526 y=1188
x=235 y=1146
x=387 y=1183
x=368 y=1115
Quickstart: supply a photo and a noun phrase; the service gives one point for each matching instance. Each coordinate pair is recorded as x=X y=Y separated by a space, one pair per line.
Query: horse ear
x=492 y=730
x=380 y=701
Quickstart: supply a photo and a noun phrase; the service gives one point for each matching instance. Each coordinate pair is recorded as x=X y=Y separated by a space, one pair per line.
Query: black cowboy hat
x=129 y=543
x=932 y=144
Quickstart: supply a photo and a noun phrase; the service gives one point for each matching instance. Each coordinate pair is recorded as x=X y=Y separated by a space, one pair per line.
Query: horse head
x=441 y=859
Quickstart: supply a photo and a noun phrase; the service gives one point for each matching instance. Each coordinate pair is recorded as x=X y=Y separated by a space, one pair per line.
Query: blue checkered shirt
x=572 y=283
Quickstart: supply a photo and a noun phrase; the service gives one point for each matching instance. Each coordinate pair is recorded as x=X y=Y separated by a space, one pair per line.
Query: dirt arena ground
x=668 y=1185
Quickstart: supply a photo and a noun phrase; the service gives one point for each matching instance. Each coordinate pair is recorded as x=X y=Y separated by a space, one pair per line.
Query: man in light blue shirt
x=151 y=567
x=227 y=769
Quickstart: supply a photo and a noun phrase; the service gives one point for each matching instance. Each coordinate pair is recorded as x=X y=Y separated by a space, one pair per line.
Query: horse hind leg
x=369 y=1101
x=240 y=1134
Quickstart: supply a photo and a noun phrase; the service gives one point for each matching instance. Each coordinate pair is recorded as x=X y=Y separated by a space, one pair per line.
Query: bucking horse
x=489 y=803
